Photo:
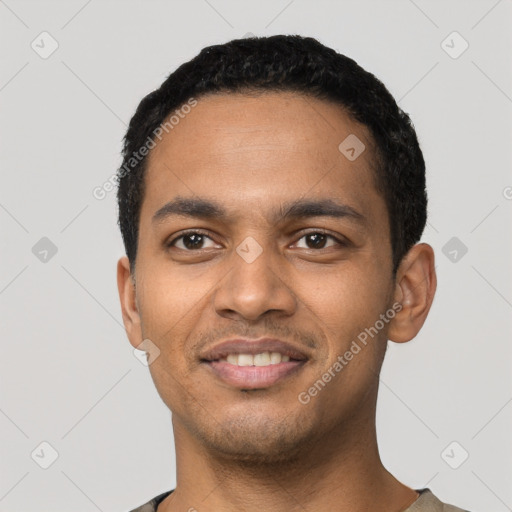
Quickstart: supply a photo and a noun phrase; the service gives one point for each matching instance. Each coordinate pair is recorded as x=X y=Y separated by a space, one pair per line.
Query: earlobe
x=415 y=287
x=128 y=300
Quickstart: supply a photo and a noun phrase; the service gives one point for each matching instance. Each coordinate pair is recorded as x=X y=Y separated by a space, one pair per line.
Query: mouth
x=253 y=376
x=247 y=364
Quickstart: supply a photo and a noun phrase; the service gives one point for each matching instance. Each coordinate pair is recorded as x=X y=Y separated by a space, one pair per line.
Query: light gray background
x=68 y=373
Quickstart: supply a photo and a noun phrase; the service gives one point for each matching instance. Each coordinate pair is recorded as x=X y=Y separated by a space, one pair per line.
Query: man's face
x=314 y=281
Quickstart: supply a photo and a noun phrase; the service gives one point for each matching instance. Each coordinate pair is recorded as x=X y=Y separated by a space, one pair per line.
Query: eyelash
x=204 y=233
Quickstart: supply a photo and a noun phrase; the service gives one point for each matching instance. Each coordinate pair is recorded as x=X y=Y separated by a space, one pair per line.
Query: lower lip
x=254 y=377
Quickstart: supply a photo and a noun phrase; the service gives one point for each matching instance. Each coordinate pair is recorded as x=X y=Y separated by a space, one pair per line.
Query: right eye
x=190 y=241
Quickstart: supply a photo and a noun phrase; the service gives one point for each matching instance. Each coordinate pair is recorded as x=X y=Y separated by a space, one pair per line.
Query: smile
x=262 y=359
x=246 y=373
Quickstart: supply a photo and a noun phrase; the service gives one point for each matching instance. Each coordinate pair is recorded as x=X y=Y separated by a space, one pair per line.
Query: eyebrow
x=298 y=209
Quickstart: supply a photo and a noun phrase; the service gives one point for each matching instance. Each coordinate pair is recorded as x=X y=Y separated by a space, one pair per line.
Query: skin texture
x=263 y=449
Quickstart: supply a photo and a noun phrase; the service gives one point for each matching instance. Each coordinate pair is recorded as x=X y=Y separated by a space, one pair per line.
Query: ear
x=415 y=286
x=128 y=299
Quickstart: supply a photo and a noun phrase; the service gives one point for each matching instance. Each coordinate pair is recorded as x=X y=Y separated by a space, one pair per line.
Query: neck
x=342 y=472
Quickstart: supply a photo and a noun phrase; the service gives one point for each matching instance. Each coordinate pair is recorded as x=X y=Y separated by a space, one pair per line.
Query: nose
x=255 y=285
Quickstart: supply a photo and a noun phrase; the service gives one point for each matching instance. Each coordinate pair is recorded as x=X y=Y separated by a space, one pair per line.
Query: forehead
x=260 y=121
x=252 y=150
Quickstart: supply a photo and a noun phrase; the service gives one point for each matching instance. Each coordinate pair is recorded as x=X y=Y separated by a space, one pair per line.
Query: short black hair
x=295 y=64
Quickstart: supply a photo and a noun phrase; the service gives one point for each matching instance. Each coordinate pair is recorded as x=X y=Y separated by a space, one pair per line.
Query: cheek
x=345 y=307
x=170 y=312
x=341 y=301
x=170 y=300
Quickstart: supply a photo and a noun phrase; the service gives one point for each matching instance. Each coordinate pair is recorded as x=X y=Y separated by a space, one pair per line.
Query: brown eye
x=318 y=240
x=190 y=241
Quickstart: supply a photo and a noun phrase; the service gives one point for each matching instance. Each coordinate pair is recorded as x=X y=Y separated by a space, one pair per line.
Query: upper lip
x=248 y=346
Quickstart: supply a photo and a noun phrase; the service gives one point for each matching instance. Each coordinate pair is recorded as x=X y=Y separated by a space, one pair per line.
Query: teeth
x=263 y=359
x=245 y=360
x=232 y=359
x=275 y=357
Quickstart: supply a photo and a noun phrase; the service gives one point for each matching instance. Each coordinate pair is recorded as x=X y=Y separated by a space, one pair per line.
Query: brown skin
x=263 y=449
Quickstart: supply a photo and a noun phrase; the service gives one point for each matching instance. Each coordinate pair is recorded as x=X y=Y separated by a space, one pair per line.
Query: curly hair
x=297 y=64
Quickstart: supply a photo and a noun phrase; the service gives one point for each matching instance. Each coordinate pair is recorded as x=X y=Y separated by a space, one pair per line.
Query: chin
x=256 y=441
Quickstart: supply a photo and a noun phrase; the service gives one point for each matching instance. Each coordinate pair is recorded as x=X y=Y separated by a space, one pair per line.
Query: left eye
x=318 y=240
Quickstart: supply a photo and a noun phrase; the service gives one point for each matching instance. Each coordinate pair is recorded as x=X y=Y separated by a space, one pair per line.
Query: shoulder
x=152 y=504
x=426 y=502
x=429 y=502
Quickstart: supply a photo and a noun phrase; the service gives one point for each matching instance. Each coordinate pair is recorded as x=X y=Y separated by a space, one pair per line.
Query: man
x=271 y=198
